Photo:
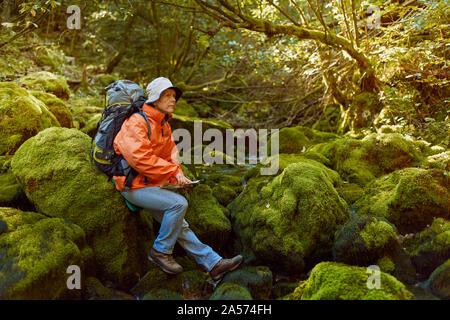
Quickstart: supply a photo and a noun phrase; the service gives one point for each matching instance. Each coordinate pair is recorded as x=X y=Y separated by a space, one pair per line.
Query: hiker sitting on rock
x=155 y=161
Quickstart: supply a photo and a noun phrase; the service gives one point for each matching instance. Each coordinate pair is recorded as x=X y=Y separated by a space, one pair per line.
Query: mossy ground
x=48 y=82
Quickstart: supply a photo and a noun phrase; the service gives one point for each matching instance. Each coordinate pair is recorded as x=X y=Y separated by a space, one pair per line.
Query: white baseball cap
x=158 y=86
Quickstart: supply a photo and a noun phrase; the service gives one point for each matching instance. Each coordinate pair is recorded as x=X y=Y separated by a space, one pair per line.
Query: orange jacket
x=152 y=159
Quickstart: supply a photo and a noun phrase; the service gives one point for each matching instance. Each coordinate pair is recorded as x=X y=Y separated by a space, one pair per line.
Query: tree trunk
x=115 y=60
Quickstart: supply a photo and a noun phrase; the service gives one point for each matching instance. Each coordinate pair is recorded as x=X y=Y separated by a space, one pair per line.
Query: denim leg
x=169 y=208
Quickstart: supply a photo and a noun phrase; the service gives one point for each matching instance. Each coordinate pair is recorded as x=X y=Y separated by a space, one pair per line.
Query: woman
x=156 y=162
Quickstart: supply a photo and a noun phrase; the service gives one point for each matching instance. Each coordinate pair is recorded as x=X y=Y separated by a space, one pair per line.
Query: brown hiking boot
x=165 y=261
x=224 y=266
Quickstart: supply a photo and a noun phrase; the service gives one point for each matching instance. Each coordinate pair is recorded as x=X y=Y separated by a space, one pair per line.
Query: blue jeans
x=169 y=208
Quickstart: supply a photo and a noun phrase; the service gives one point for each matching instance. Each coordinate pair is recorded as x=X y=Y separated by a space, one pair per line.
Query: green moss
x=298 y=139
x=49 y=56
x=282 y=289
x=155 y=278
x=206 y=218
x=430 y=247
x=409 y=198
x=363 y=240
x=350 y=192
x=184 y=109
x=56 y=106
x=47 y=82
x=162 y=294
x=257 y=280
x=36 y=252
x=291 y=219
x=439 y=282
x=90 y=128
x=386 y=264
x=230 y=291
x=336 y=281
x=95 y=290
x=9 y=188
x=21 y=117
x=193 y=283
x=57 y=174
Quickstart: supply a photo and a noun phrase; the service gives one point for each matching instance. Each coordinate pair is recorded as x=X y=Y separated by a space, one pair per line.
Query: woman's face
x=166 y=102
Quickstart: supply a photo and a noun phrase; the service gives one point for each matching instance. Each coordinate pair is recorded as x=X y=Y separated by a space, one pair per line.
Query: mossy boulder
x=298 y=139
x=439 y=282
x=350 y=192
x=93 y=289
x=90 y=127
x=429 y=248
x=21 y=117
x=207 y=218
x=57 y=174
x=408 y=198
x=162 y=294
x=10 y=190
x=289 y=221
x=365 y=241
x=84 y=108
x=35 y=252
x=225 y=187
x=187 y=285
x=230 y=291
x=185 y=109
x=362 y=160
x=337 y=281
x=48 y=82
x=56 y=106
x=257 y=280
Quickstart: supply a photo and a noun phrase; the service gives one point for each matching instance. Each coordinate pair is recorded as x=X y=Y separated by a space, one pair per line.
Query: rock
x=289 y=221
x=58 y=176
x=35 y=252
x=206 y=217
x=366 y=241
x=429 y=248
x=408 y=198
x=257 y=280
x=337 y=281
x=283 y=289
x=95 y=290
x=162 y=294
x=187 y=285
x=439 y=282
x=56 y=106
x=21 y=117
x=350 y=192
x=230 y=291
x=298 y=139
x=362 y=160
x=48 y=82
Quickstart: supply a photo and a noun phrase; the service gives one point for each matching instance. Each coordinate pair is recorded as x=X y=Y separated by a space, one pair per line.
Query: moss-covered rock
x=257 y=280
x=408 y=198
x=95 y=290
x=21 y=117
x=35 y=252
x=162 y=294
x=231 y=291
x=298 y=139
x=439 y=282
x=337 y=281
x=10 y=190
x=185 y=109
x=56 y=106
x=48 y=82
x=58 y=176
x=350 y=192
x=289 y=222
x=84 y=108
x=187 y=285
x=224 y=187
x=430 y=247
x=362 y=160
x=90 y=127
x=365 y=241
x=206 y=217
x=283 y=289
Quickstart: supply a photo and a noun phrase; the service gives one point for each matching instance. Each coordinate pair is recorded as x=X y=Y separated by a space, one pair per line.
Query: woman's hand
x=181 y=179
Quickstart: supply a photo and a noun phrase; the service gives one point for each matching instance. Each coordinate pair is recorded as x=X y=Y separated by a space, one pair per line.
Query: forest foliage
x=339 y=66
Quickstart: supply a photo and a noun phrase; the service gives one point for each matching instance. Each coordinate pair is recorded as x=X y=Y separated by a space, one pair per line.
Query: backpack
x=123 y=99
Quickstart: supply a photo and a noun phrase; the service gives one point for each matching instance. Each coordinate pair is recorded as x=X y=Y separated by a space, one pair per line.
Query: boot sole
x=161 y=266
x=220 y=275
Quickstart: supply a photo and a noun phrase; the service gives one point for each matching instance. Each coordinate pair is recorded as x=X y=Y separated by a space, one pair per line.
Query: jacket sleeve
x=133 y=144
